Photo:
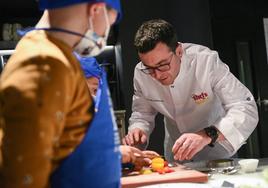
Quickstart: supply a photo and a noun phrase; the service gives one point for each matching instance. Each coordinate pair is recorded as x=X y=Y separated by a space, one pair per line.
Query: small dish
x=248 y=165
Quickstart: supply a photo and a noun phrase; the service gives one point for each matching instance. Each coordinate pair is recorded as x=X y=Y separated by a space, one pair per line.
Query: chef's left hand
x=189 y=144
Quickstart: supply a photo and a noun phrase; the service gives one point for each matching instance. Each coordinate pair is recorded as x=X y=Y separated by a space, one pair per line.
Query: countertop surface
x=239 y=179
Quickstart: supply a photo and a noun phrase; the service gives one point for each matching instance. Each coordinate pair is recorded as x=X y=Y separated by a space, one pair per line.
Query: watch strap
x=212 y=132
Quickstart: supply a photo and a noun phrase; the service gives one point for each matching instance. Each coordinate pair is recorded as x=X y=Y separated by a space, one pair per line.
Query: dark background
x=233 y=28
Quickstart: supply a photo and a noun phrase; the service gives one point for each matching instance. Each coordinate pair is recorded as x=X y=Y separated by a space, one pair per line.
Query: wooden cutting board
x=181 y=174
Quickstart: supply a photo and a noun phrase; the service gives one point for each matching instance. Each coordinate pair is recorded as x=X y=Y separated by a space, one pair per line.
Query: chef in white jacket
x=208 y=112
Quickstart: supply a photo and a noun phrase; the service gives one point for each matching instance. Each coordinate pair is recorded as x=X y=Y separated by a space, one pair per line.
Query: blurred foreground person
x=95 y=76
x=50 y=137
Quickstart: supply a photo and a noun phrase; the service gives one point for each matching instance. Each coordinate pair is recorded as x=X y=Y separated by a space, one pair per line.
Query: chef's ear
x=179 y=50
x=95 y=8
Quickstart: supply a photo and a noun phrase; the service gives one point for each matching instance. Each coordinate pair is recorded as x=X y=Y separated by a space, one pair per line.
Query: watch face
x=212 y=132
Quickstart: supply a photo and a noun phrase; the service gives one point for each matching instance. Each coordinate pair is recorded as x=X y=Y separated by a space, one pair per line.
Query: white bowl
x=248 y=165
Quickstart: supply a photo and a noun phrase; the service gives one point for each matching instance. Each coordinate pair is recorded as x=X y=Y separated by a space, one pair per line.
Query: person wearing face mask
x=208 y=113
x=92 y=72
x=46 y=111
x=94 y=76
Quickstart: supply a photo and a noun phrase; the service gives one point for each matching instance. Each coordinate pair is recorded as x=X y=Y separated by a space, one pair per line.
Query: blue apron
x=96 y=162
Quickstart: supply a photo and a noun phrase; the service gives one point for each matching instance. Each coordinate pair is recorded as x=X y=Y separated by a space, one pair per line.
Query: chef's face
x=93 y=84
x=162 y=63
x=98 y=16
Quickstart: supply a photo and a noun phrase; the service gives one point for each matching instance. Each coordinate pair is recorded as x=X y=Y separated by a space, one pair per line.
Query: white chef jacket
x=204 y=93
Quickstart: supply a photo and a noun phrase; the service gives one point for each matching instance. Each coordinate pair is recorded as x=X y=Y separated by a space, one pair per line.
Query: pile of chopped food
x=158 y=165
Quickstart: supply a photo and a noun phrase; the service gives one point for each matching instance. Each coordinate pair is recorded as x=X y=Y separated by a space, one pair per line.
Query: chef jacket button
x=172 y=86
x=248 y=99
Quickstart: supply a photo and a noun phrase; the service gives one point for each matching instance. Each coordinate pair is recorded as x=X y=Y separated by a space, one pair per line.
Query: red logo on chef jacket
x=199 y=99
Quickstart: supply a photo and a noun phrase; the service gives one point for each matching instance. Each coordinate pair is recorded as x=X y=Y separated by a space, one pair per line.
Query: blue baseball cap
x=52 y=4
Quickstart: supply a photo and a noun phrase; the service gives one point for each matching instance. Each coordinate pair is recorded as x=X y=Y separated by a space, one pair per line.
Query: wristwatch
x=212 y=132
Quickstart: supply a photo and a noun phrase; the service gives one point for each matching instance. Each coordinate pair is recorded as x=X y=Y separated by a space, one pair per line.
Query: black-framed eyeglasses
x=161 y=68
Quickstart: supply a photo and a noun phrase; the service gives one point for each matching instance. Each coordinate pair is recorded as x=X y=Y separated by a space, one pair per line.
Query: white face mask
x=92 y=44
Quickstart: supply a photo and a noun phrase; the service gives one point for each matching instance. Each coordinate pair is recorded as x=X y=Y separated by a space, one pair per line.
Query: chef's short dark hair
x=152 y=32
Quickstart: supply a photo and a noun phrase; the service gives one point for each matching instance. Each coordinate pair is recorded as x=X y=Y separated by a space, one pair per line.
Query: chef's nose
x=157 y=74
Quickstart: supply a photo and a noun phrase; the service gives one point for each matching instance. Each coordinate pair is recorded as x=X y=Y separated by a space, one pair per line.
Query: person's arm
x=133 y=157
x=143 y=114
x=33 y=102
x=241 y=116
x=1 y=162
x=239 y=121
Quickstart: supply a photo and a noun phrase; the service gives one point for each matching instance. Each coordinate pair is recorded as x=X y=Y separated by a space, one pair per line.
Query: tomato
x=168 y=170
x=171 y=170
x=165 y=163
x=161 y=171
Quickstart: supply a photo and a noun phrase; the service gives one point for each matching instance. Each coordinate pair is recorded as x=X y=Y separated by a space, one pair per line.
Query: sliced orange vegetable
x=157 y=160
x=157 y=166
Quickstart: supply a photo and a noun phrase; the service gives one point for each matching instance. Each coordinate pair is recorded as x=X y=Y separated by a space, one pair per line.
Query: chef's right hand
x=129 y=154
x=135 y=137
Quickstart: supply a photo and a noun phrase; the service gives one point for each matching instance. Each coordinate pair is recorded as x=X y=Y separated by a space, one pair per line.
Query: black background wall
x=238 y=36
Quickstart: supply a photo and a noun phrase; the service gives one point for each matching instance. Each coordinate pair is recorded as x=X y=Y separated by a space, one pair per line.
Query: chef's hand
x=135 y=137
x=189 y=144
x=150 y=154
x=137 y=157
x=130 y=154
x=146 y=160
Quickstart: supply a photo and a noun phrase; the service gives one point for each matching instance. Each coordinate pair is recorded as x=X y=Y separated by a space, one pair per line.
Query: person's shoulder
x=39 y=45
x=138 y=71
x=138 y=65
x=200 y=56
x=197 y=50
x=139 y=76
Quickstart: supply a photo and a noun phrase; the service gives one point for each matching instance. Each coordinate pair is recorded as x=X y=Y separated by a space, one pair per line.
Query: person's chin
x=165 y=82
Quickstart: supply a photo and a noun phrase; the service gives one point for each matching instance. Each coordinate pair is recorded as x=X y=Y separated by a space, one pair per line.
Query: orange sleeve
x=34 y=99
